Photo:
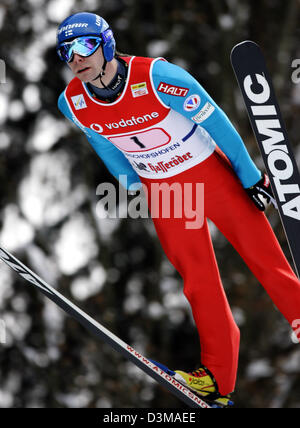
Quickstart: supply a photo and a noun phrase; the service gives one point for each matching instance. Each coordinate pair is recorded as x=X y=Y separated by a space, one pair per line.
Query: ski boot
x=202 y=383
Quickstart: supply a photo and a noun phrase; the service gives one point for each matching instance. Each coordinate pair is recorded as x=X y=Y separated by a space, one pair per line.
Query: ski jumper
x=165 y=128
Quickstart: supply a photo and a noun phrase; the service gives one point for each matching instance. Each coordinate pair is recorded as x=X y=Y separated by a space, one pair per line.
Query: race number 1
x=142 y=141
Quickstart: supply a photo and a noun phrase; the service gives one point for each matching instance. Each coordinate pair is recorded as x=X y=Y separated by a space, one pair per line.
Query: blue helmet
x=88 y=24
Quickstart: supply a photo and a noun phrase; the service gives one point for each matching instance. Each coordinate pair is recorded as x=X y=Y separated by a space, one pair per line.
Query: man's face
x=87 y=68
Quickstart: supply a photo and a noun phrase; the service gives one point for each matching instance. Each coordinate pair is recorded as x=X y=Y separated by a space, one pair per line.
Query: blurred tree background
x=115 y=268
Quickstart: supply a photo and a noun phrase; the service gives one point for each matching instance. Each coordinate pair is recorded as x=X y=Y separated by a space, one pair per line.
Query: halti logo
x=279 y=160
x=79 y=102
x=176 y=91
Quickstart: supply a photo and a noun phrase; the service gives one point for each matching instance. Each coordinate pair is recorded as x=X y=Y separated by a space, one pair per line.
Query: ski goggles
x=83 y=46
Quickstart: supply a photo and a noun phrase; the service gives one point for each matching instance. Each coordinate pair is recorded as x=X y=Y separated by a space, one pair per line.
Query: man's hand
x=261 y=193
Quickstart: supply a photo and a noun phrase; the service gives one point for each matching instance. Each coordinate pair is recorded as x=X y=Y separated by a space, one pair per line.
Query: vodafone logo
x=123 y=123
x=97 y=128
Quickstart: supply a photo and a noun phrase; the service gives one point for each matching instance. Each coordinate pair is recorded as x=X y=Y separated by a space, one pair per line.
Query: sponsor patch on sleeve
x=192 y=103
x=176 y=91
x=204 y=113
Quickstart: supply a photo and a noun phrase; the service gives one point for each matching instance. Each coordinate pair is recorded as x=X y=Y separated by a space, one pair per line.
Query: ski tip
x=246 y=44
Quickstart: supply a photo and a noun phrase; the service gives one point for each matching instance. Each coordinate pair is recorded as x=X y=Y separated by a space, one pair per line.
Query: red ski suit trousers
x=191 y=252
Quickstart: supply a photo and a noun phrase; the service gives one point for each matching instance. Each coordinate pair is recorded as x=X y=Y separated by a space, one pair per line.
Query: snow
x=31 y=98
x=45 y=266
x=239 y=316
x=258 y=369
x=5 y=141
x=6 y=281
x=17 y=326
x=158 y=48
x=226 y=22
x=104 y=403
x=291 y=364
x=36 y=357
x=6 y=398
x=58 y=10
x=47 y=130
x=84 y=287
x=2 y=15
x=3 y=108
x=77 y=399
x=16 y=110
x=16 y=231
x=75 y=245
x=46 y=196
x=155 y=310
x=134 y=303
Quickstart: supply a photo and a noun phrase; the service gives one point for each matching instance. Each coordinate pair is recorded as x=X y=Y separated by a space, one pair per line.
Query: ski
x=99 y=331
x=266 y=120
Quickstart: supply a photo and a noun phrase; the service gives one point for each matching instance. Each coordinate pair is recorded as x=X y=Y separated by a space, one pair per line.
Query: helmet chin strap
x=102 y=74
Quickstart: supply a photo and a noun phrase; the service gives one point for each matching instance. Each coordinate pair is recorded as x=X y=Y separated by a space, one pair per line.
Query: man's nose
x=77 y=58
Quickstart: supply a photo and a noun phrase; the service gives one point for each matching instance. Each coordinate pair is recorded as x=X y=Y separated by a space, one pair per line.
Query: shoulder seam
x=152 y=83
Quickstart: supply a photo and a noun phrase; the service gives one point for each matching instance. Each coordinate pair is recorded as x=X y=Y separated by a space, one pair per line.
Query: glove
x=262 y=191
